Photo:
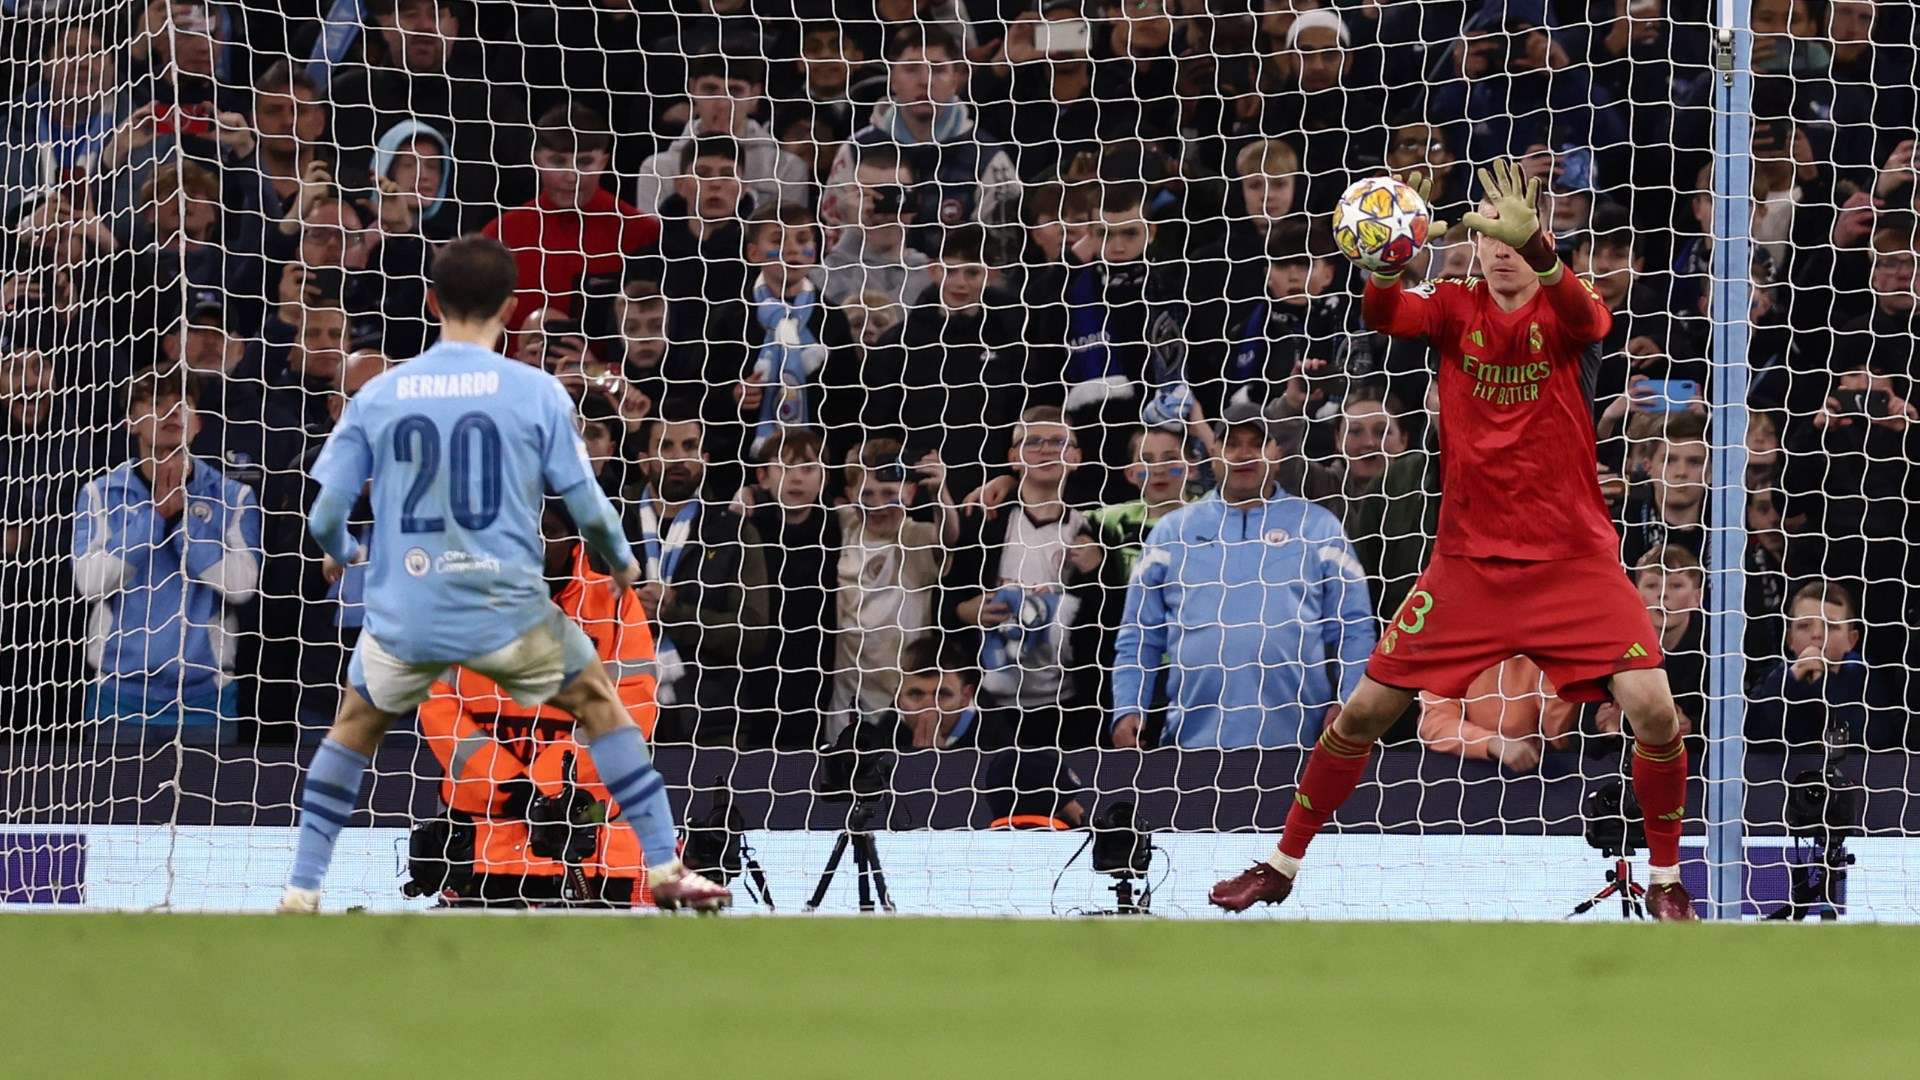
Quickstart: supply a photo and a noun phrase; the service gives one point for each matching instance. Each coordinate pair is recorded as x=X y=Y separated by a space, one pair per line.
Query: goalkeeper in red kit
x=1526 y=561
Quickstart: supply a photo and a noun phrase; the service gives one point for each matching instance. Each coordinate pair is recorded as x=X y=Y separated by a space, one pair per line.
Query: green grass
x=422 y=996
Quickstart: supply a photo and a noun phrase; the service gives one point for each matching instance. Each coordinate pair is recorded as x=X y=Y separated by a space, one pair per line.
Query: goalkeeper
x=1526 y=561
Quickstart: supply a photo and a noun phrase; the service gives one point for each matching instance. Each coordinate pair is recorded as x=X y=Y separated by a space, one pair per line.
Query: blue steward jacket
x=1254 y=618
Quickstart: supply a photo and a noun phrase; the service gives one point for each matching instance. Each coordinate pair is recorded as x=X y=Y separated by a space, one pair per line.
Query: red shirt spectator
x=556 y=245
x=575 y=226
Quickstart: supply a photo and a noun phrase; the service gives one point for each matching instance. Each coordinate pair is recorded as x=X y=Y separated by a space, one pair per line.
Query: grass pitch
x=425 y=996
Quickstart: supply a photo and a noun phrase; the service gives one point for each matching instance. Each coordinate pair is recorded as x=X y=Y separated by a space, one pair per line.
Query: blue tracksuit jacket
x=1252 y=616
x=161 y=629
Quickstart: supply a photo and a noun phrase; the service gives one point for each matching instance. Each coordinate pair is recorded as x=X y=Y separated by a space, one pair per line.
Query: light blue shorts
x=531 y=669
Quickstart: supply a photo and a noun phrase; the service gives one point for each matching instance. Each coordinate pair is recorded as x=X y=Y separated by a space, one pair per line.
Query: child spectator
x=1671 y=584
x=1029 y=581
x=1822 y=683
x=802 y=542
x=790 y=335
x=888 y=579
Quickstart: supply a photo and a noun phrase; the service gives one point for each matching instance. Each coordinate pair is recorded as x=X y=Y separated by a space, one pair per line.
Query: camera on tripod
x=1823 y=809
x=858 y=766
x=1615 y=828
x=716 y=845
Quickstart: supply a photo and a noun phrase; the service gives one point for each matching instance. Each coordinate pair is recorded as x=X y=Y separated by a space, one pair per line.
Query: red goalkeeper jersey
x=1517 y=449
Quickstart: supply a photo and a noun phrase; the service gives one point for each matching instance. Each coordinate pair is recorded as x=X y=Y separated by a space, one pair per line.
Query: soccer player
x=459 y=444
x=1526 y=561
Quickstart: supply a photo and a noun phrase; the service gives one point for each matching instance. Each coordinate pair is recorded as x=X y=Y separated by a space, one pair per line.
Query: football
x=1380 y=223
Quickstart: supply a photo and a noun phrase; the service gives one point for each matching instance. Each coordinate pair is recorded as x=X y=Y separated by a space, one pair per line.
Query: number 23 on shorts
x=1412 y=619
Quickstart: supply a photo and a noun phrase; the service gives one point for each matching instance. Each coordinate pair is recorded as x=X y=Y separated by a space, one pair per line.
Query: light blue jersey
x=461 y=445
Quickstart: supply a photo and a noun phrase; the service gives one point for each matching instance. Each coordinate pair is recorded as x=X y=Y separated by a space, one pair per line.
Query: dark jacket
x=1783 y=710
x=953 y=382
x=802 y=560
x=717 y=616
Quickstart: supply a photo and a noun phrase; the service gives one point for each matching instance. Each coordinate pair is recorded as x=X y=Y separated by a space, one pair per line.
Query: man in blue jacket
x=167 y=545
x=1252 y=604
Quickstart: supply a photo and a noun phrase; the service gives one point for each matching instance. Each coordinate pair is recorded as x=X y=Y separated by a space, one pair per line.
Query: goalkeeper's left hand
x=1514 y=197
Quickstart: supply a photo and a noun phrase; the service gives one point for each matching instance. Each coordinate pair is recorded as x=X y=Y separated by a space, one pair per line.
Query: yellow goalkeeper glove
x=1516 y=220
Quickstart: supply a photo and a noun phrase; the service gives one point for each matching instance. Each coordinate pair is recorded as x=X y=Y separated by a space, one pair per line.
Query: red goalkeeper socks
x=1660 y=783
x=1334 y=769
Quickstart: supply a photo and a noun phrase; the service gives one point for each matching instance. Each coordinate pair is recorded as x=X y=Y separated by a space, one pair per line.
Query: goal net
x=905 y=334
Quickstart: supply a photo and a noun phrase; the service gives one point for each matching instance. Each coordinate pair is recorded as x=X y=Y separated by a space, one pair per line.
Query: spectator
x=1672 y=584
x=702 y=243
x=498 y=755
x=935 y=707
x=44 y=451
x=1670 y=508
x=575 y=226
x=1822 y=685
x=888 y=580
x=1886 y=334
x=955 y=375
x=829 y=60
x=1393 y=533
x=641 y=316
x=167 y=547
x=1369 y=437
x=301 y=679
x=872 y=253
x=57 y=129
x=724 y=92
x=1124 y=313
x=1160 y=473
x=1053 y=112
x=1273 y=334
x=802 y=543
x=1850 y=486
x=421 y=61
x=1506 y=54
x=1245 y=601
x=790 y=336
x=1511 y=714
x=1317 y=112
x=413 y=170
x=300 y=383
x=176 y=242
x=1031 y=581
x=964 y=175
x=705 y=587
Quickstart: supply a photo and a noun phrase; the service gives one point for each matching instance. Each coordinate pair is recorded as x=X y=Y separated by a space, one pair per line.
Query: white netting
x=843 y=276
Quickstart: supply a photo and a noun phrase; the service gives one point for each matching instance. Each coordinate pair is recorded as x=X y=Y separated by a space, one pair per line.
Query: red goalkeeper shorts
x=1580 y=619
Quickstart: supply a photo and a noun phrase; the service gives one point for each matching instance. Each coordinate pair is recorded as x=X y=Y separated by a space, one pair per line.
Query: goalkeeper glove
x=1516 y=221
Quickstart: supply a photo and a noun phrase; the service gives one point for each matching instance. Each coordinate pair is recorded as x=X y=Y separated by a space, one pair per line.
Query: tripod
x=868 y=874
x=1620 y=883
x=1818 y=885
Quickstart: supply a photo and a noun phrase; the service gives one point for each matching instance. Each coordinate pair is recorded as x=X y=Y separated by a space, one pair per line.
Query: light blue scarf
x=786 y=359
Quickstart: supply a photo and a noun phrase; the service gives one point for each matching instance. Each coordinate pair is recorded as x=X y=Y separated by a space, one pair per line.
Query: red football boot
x=1259 y=883
x=1670 y=903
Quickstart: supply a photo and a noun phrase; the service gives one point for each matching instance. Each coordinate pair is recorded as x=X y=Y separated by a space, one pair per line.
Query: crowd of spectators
x=978 y=367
